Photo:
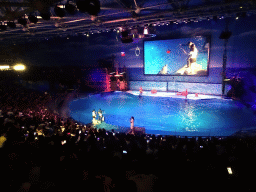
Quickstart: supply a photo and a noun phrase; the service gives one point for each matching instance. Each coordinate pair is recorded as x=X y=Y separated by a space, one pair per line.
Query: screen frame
x=208 y=40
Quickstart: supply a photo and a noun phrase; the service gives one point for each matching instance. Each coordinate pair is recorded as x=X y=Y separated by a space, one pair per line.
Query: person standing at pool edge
x=132 y=125
x=100 y=115
x=141 y=91
x=93 y=114
x=94 y=117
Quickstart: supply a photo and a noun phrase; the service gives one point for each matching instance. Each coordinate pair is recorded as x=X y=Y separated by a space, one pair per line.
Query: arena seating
x=42 y=151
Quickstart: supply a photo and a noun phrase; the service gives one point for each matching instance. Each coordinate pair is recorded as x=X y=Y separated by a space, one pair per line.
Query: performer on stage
x=100 y=115
x=132 y=125
x=94 y=114
x=141 y=91
x=94 y=121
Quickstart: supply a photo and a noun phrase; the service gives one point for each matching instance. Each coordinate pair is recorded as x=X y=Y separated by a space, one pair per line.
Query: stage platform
x=191 y=96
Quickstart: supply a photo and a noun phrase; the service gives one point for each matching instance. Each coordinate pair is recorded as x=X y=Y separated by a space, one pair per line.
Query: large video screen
x=184 y=56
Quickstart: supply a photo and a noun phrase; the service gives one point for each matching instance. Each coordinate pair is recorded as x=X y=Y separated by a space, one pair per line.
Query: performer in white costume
x=100 y=115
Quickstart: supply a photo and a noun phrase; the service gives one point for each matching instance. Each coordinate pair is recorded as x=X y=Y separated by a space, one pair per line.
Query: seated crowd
x=41 y=151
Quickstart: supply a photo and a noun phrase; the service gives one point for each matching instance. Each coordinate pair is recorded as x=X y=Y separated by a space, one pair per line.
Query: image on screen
x=185 y=56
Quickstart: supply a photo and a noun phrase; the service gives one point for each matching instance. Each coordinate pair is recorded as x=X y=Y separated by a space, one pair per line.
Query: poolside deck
x=191 y=96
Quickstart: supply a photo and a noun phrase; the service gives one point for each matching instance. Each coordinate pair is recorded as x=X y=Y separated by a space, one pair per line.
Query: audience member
x=42 y=151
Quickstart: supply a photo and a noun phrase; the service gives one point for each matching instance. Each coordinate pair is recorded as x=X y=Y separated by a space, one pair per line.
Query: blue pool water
x=164 y=115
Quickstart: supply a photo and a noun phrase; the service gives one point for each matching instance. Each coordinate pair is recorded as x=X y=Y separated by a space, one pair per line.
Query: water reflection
x=189 y=116
x=166 y=114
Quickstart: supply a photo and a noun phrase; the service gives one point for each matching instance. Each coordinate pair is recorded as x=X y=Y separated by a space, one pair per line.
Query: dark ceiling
x=112 y=15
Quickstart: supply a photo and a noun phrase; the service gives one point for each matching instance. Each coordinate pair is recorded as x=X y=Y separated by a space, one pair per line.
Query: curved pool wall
x=165 y=115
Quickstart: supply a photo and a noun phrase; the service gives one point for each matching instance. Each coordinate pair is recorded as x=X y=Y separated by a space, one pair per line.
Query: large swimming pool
x=165 y=115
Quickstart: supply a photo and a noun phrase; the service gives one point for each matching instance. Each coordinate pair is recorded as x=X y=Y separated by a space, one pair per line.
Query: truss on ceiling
x=113 y=14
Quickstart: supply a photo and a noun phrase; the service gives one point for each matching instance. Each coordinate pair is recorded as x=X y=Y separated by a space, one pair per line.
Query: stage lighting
x=145 y=32
x=11 y=24
x=45 y=16
x=22 y=21
x=19 y=67
x=149 y=31
x=59 y=11
x=70 y=8
x=32 y=19
x=90 y=6
x=4 y=67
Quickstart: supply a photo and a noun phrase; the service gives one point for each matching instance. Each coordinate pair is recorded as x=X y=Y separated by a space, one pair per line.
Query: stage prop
x=117 y=81
x=141 y=91
x=174 y=86
x=183 y=93
x=153 y=91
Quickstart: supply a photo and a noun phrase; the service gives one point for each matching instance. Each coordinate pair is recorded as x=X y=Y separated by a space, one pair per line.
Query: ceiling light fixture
x=19 y=67
x=4 y=67
x=59 y=11
x=145 y=32
x=32 y=19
